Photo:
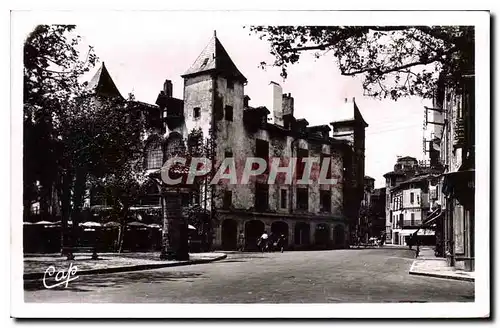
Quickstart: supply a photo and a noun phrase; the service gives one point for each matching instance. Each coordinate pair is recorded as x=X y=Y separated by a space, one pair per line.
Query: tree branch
x=380 y=71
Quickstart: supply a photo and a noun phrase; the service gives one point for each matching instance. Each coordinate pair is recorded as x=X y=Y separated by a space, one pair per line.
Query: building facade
x=377 y=206
x=409 y=210
x=451 y=121
x=216 y=114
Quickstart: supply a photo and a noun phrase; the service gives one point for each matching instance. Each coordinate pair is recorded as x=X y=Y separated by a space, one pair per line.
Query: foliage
x=73 y=135
x=52 y=66
x=394 y=61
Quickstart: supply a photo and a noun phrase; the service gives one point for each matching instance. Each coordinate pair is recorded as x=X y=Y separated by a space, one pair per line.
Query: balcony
x=408 y=224
x=174 y=118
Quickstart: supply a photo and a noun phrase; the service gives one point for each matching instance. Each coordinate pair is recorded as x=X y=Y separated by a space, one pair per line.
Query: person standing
x=241 y=241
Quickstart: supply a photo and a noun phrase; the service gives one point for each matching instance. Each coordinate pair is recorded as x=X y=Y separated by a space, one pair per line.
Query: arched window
x=154 y=155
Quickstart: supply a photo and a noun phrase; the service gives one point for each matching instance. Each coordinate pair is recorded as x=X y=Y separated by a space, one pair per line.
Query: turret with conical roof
x=214 y=59
x=102 y=84
x=213 y=91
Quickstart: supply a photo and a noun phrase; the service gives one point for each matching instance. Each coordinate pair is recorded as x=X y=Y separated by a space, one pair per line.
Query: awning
x=433 y=219
x=460 y=185
x=435 y=212
x=90 y=224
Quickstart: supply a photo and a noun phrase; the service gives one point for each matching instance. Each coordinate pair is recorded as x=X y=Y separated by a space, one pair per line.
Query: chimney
x=287 y=104
x=245 y=101
x=277 y=94
x=167 y=88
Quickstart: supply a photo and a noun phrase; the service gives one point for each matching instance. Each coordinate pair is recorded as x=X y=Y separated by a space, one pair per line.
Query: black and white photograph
x=187 y=164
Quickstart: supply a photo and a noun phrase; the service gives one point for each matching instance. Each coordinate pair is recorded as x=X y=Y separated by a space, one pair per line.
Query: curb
x=140 y=267
x=438 y=275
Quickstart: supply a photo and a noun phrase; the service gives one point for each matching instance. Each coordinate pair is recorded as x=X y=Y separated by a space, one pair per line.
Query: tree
x=101 y=147
x=394 y=61
x=52 y=66
x=75 y=138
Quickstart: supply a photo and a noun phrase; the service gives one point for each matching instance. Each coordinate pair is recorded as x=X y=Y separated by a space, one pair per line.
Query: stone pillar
x=291 y=234
x=312 y=233
x=218 y=236
x=174 y=233
x=331 y=228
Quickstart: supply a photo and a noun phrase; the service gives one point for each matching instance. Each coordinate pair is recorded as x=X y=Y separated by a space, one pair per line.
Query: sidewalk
x=35 y=265
x=427 y=264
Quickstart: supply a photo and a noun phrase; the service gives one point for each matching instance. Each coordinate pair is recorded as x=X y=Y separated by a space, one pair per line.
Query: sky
x=140 y=57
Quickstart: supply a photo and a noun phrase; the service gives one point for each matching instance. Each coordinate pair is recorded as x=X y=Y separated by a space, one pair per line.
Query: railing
x=408 y=224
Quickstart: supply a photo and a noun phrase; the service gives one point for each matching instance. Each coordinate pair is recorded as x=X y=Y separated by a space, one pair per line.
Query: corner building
x=214 y=107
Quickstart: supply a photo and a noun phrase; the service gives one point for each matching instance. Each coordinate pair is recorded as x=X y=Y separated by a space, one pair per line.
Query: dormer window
x=205 y=61
x=196 y=112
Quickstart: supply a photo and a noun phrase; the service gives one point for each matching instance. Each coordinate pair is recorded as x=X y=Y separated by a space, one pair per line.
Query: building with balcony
x=453 y=147
x=409 y=208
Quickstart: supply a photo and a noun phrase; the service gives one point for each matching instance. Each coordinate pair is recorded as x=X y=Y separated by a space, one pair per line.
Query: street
x=352 y=275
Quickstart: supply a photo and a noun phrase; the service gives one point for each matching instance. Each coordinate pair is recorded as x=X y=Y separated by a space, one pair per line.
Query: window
x=302 y=198
x=205 y=62
x=154 y=155
x=401 y=218
x=412 y=196
x=325 y=200
x=228 y=199
x=196 y=112
x=283 y=198
x=262 y=151
x=229 y=113
x=228 y=154
x=412 y=219
x=261 y=196
x=301 y=153
x=230 y=83
x=418 y=199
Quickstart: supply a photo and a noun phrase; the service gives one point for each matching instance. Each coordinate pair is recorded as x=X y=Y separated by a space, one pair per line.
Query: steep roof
x=347 y=114
x=102 y=84
x=214 y=58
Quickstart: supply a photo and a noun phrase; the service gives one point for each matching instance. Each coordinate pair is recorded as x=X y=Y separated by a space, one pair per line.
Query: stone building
x=215 y=111
x=453 y=150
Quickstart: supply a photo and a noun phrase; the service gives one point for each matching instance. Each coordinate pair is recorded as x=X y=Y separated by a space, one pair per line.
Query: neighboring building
x=377 y=205
x=365 y=217
x=453 y=149
x=215 y=108
x=409 y=209
x=404 y=169
x=352 y=129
